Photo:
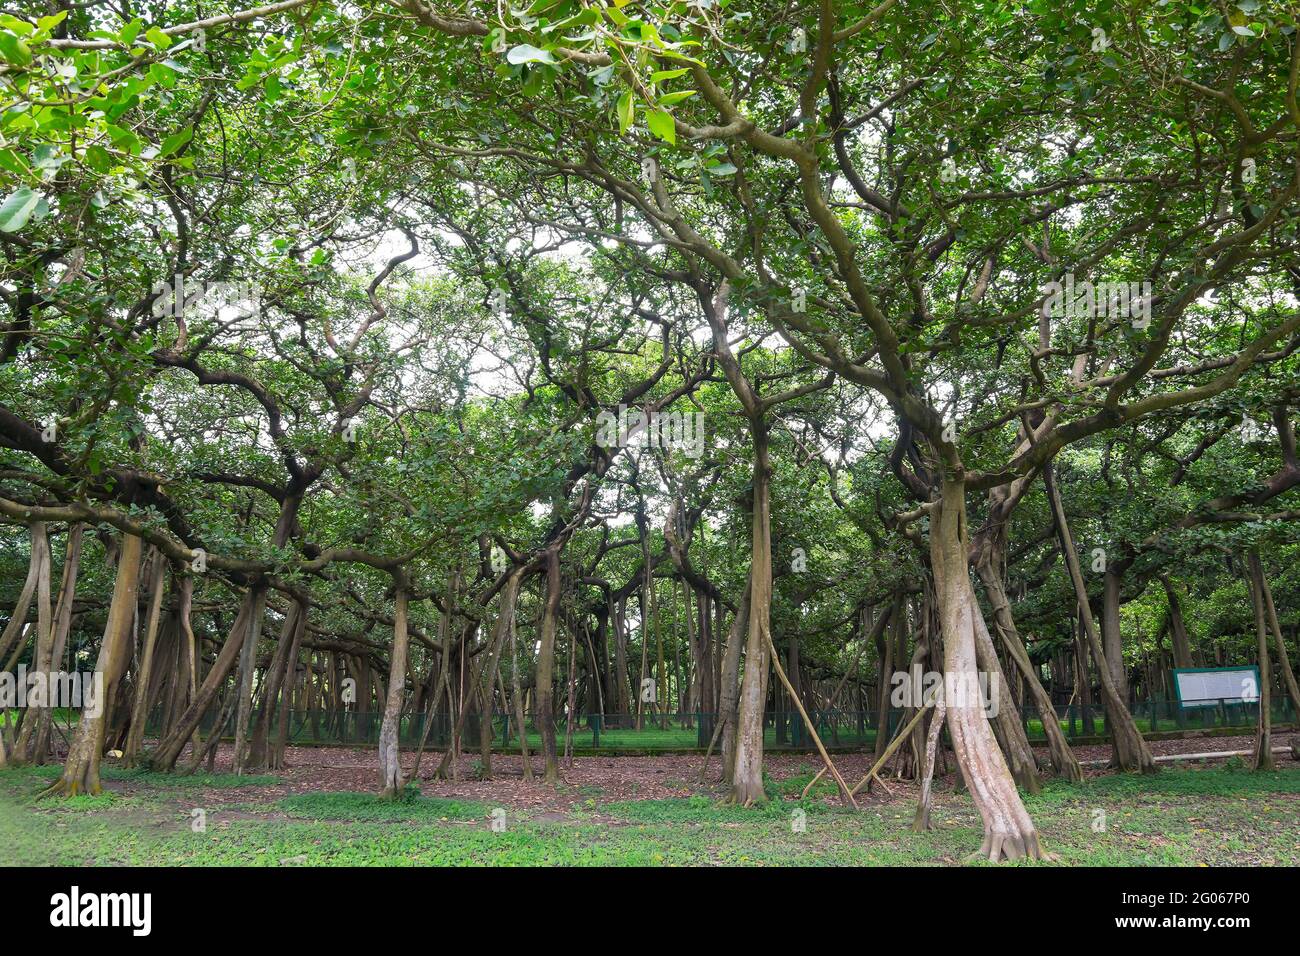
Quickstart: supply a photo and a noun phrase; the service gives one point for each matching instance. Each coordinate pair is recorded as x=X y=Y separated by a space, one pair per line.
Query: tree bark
x=270 y=704
x=504 y=625
x=1008 y=831
x=544 y=713
x=144 y=672
x=622 y=704
x=275 y=760
x=62 y=628
x=1283 y=659
x=1177 y=628
x=81 y=770
x=1264 y=726
x=1131 y=751
x=247 y=664
x=169 y=750
x=747 y=779
x=1064 y=762
x=1112 y=639
x=18 y=620
x=390 y=764
x=1007 y=726
x=43 y=654
x=729 y=684
x=517 y=695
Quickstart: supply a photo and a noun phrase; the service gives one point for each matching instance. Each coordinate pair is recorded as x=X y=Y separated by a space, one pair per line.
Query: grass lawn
x=1189 y=816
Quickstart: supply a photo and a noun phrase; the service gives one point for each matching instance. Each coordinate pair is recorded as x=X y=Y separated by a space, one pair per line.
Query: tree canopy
x=691 y=341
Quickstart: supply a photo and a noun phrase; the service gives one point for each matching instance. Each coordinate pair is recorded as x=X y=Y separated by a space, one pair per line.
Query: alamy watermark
x=920 y=688
x=180 y=297
x=670 y=431
x=76 y=909
x=1088 y=300
x=77 y=690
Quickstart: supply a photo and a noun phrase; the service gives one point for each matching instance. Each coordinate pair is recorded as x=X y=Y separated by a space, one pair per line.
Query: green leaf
x=14 y=49
x=668 y=75
x=626 y=112
x=17 y=209
x=661 y=124
x=174 y=142
x=124 y=139
x=46 y=156
x=672 y=99
x=11 y=161
x=20 y=27
x=160 y=40
x=526 y=53
x=164 y=76
x=46 y=24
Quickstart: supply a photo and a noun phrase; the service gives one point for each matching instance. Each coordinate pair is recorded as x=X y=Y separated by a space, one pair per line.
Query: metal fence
x=851 y=729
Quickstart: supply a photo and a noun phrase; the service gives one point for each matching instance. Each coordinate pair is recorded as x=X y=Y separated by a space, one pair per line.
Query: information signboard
x=1211 y=686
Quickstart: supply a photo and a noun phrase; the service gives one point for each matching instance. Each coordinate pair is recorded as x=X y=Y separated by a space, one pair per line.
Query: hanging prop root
x=889 y=751
x=846 y=795
x=921 y=822
x=812 y=783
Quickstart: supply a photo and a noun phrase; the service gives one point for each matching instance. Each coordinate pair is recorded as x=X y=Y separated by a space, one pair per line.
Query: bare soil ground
x=659 y=776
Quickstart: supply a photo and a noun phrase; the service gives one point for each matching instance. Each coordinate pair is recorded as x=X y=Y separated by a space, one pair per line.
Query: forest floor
x=628 y=810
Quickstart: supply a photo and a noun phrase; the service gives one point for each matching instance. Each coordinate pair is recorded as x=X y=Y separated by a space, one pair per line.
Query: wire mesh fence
x=650 y=731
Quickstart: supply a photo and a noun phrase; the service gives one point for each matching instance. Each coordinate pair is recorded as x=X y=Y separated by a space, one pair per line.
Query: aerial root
x=1011 y=847
x=68 y=788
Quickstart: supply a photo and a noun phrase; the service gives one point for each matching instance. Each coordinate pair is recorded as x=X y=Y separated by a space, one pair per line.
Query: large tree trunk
x=284 y=529
x=81 y=770
x=62 y=628
x=747 y=779
x=1283 y=659
x=164 y=758
x=1111 y=638
x=885 y=644
x=505 y=622
x=43 y=655
x=271 y=705
x=729 y=683
x=1177 y=628
x=17 y=625
x=247 y=665
x=517 y=700
x=1264 y=726
x=544 y=712
x=193 y=652
x=144 y=672
x=1007 y=726
x=1008 y=831
x=275 y=759
x=1064 y=762
x=1131 y=751
x=390 y=764
x=622 y=703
